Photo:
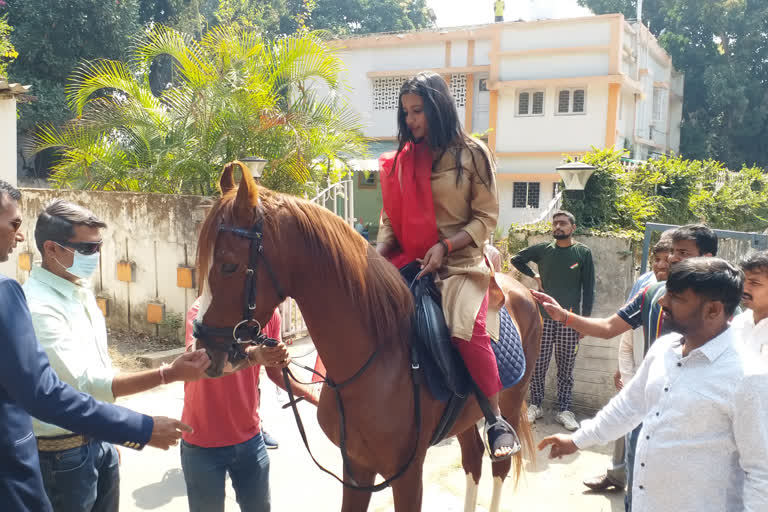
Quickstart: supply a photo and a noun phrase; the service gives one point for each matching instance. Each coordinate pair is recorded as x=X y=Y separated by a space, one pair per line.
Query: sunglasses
x=84 y=248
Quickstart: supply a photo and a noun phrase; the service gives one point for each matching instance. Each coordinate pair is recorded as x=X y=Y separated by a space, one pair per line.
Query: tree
x=7 y=51
x=52 y=37
x=236 y=95
x=722 y=47
x=669 y=190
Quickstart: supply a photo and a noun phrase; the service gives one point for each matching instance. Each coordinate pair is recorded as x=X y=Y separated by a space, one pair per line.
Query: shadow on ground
x=158 y=494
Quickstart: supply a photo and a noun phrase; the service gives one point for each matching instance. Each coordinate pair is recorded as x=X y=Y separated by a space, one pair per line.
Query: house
x=535 y=91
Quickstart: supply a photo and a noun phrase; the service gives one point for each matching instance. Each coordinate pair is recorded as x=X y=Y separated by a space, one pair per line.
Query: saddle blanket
x=510 y=359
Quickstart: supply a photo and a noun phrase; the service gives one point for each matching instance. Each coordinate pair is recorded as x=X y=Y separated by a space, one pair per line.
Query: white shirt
x=754 y=337
x=71 y=329
x=704 y=441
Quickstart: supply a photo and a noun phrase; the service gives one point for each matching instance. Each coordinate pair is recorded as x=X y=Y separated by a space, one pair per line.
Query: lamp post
x=255 y=165
x=575 y=176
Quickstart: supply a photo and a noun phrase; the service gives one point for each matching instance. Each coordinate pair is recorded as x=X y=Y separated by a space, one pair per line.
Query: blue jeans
x=205 y=470
x=630 y=453
x=83 y=479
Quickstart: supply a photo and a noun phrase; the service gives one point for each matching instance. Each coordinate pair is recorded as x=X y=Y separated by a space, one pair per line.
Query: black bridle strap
x=415 y=380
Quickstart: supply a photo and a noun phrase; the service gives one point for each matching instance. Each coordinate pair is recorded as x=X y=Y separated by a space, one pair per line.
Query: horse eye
x=228 y=268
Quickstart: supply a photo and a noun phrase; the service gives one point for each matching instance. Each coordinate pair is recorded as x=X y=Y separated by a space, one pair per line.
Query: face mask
x=83 y=266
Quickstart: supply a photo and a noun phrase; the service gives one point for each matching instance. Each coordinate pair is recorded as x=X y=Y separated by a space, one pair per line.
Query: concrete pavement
x=152 y=479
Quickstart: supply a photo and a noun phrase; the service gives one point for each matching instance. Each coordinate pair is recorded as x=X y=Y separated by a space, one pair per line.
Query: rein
x=248 y=332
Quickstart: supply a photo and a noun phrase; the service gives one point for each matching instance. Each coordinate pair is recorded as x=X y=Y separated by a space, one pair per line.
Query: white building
x=539 y=89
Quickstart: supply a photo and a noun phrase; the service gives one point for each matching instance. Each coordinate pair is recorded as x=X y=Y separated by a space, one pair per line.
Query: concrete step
x=156 y=359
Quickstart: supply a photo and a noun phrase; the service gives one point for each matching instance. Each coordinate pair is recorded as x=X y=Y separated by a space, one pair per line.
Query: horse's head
x=238 y=281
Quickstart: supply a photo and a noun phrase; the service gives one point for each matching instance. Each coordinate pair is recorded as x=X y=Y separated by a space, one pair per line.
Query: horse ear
x=227 y=180
x=247 y=195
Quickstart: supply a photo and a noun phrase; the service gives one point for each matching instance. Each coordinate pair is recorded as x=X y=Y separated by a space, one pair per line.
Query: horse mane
x=379 y=294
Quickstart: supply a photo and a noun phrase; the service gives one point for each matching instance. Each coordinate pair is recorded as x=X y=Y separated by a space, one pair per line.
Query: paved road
x=152 y=479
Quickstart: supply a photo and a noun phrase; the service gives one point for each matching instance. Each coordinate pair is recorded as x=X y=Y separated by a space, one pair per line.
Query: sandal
x=499 y=434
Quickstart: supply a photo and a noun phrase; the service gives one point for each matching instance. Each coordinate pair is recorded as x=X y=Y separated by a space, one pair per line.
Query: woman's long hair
x=445 y=130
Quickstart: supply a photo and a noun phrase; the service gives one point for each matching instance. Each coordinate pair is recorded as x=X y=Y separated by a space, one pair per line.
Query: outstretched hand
x=166 y=432
x=551 y=306
x=561 y=445
x=189 y=366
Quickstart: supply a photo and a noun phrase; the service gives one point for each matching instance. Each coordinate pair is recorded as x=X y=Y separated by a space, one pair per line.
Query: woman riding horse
x=440 y=206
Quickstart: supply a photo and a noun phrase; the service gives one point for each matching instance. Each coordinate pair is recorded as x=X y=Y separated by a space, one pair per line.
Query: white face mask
x=83 y=265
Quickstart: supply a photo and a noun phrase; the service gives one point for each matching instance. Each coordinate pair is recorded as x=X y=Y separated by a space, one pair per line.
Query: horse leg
x=357 y=501
x=408 y=490
x=472 y=449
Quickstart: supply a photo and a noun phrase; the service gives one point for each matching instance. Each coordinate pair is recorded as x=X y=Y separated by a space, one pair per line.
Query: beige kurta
x=471 y=206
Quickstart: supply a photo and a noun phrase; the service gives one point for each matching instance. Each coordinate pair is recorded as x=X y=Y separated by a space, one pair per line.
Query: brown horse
x=355 y=304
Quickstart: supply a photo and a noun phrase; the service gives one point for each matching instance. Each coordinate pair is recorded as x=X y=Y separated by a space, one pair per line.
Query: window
x=659 y=104
x=386 y=92
x=458 y=87
x=555 y=189
x=572 y=101
x=366 y=180
x=483 y=85
x=525 y=195
x=530 y=103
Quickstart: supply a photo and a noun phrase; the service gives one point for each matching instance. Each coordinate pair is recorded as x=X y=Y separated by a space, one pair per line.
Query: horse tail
x=528 y=444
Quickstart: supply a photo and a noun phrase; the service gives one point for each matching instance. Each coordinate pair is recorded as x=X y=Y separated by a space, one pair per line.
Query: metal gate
x=743 y=243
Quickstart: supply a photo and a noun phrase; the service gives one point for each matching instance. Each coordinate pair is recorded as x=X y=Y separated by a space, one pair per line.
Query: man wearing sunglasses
x=81 y=474
x=29 y=386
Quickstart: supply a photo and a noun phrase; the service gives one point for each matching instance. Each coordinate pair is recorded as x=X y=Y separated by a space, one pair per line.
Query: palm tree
x=234 y=94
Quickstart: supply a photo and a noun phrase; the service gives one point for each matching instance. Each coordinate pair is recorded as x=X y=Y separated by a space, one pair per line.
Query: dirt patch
x=125 y=346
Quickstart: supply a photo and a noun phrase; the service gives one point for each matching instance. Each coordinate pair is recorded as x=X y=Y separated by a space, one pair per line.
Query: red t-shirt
x=223 y=411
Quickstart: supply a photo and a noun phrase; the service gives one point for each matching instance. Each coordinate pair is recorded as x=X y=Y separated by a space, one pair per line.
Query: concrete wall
x=155 y=233
x=8 y=139
x=597 y=360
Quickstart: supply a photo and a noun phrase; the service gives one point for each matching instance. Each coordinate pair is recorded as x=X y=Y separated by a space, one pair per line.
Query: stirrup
x=508 y=433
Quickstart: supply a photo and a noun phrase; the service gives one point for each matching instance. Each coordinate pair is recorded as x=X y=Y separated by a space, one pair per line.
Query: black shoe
x=269 y=441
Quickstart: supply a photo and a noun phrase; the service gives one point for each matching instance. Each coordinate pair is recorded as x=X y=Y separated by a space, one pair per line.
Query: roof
x=14 y=89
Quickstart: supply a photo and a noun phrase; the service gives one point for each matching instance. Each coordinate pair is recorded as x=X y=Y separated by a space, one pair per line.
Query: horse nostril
x=228 y=268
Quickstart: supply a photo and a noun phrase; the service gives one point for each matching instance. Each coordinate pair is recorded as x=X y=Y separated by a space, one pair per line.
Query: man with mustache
x=644 y=310
x=702 y=402
x=752 y=324
x=566 y=271
x=631 y=352
x=29 y=386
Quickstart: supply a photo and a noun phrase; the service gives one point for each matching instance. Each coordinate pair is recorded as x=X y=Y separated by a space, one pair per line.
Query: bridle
x=248 y=332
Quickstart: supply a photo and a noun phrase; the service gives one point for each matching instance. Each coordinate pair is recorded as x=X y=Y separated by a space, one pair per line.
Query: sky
x=452 y=13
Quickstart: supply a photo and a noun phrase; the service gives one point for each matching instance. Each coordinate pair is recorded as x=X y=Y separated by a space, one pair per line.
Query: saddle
x=443 y=368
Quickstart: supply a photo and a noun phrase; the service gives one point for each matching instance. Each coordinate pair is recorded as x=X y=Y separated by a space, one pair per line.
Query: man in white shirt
x=79 y=473
x=631 y=352
x=703 y=404
x=752 y=324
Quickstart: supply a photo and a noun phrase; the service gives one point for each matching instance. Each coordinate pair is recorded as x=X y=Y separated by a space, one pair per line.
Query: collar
x=59 y=284
x=714 y=347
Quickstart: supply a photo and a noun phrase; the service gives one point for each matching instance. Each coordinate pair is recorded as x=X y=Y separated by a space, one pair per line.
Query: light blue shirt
x=71 y=329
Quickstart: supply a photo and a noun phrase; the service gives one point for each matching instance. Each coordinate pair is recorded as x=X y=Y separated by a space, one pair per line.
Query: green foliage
x=7 y=51
x=721 y=47
x=53 y=37
x=667 y=190
x=235 y=95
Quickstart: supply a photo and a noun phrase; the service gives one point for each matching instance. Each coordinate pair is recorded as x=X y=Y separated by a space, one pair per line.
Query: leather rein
x=248 y=332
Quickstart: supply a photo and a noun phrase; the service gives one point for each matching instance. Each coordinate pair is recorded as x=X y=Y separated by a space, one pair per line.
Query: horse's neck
x=343 y=340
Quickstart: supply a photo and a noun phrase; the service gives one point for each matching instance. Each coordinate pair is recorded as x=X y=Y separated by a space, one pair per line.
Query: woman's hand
x=432 y=261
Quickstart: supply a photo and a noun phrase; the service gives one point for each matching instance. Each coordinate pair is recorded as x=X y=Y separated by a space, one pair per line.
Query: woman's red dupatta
x=408 y=202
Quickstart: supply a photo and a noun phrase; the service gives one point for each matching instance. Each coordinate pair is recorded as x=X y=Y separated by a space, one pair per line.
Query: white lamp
x=255 y=165
x=575 y=174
